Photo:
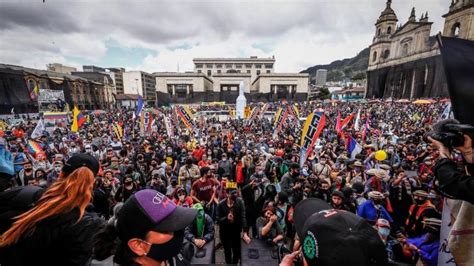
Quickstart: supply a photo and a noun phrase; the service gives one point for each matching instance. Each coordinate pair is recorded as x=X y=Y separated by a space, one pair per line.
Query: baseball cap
x=336 y=237
x=304 y=209
x=149 y=210
x=80 y=160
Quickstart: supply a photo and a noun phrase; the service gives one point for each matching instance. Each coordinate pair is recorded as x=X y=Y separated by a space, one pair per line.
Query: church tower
x=459 y=21
x=385 y=26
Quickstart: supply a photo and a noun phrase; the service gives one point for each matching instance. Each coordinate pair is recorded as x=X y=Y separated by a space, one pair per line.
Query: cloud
x=299 y=33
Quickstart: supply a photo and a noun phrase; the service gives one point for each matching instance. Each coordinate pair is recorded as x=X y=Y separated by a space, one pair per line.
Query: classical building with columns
x=405 y=60
x=218 y=79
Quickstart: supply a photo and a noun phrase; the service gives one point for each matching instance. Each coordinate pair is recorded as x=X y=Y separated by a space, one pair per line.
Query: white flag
x=447 y=112
x=445 y=257
x=357 y=122
x=38 y=129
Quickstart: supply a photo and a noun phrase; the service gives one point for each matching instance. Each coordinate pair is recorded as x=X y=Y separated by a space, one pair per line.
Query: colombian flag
x=77 y=119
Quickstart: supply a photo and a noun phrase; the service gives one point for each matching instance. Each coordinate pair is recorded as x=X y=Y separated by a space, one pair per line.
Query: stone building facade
x=17 y=84
x=405 y=61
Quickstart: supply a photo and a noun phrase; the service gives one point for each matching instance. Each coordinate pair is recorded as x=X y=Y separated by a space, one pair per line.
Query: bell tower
x=385 y=26
x=459 y=21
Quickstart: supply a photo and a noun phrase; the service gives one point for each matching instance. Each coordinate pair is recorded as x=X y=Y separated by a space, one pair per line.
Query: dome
x=388 y=14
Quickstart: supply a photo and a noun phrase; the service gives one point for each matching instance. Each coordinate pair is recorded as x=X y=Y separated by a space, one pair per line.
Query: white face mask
x=57 y=169
x=181 y=197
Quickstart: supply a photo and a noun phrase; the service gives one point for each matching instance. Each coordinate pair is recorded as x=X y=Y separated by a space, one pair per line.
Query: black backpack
x=16 y=201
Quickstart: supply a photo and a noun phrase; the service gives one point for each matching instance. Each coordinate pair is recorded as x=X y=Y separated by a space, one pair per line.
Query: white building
x=218 y=79
x=141 y=83
x=56 y=67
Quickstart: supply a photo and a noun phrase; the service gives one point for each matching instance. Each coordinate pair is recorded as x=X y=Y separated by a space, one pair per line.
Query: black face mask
x=420 y=201
x=295 y=174
x=168 y=250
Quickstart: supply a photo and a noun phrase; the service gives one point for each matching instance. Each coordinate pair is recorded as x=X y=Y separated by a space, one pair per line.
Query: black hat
x=80 y=160
x=149 y=210
x=305 y=209
x=338 y=193
x=336 y=237
x=358 y=187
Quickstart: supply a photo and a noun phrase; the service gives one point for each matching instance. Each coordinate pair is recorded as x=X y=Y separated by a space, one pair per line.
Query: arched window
x=455 y=29
x=389 y=30
x=405 y=49
x=379 y=31
x=386 y=54
x=374 y=56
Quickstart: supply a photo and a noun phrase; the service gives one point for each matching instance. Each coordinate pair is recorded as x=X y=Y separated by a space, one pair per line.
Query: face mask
x=168 y=250
x=295 y=174
x=28 y=169
x=377 y=202
x=233 y=197
x=384 y=231
x=181 y=197
x=323 y=161
x=420 y=201
x=57 y=169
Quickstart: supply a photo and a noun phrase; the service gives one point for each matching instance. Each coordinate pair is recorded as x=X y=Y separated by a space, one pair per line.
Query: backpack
x=16 y=201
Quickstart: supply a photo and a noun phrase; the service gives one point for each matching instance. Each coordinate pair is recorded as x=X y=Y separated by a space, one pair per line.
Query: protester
x=268 y=226
x=150 y=229
x=38 y=236
x=378 y=180
x=232 y=222
x=201 y=231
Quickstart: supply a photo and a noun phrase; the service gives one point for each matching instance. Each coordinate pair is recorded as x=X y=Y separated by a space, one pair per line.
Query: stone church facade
x=405 y=61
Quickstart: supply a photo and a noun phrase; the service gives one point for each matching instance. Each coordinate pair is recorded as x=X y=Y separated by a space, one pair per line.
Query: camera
x=449 y=132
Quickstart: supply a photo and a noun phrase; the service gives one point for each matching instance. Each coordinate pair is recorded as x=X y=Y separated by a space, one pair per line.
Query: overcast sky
x=160 y=35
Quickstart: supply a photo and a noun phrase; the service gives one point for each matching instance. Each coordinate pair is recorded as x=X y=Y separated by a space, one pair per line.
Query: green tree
x=324 y=94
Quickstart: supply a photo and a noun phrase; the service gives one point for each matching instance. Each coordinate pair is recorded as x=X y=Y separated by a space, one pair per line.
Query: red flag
x=346 y=120
x=338 y=123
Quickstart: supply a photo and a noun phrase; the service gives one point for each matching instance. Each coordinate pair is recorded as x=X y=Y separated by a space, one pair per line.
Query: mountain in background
x=352 y=68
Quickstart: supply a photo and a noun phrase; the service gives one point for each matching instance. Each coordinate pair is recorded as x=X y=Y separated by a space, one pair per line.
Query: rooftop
x=223 y=59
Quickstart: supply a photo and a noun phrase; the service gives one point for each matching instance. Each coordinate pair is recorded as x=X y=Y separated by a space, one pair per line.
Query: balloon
x=380 y=155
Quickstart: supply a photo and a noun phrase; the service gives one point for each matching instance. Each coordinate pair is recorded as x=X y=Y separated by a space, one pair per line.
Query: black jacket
x=453 y=182
x=191 y=230
x=58 y=240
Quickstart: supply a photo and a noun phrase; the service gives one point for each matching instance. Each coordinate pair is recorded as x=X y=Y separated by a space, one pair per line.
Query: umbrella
x=403 y=101
x=374 y=101
x=422 y=102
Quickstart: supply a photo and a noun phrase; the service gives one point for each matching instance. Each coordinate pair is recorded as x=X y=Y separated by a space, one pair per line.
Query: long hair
x=66 y=194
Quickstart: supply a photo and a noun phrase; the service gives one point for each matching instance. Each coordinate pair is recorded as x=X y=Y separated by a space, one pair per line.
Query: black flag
x=458 y=59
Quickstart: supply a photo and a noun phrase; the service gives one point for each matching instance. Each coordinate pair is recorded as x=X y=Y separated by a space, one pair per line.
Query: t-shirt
x=274 y=231
x=204 y=189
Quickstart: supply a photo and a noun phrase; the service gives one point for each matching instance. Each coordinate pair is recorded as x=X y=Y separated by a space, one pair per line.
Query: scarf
x=200 y=220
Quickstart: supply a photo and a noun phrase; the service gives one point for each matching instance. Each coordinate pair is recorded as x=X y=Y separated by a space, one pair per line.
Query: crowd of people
x=232 y=180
